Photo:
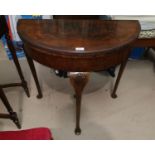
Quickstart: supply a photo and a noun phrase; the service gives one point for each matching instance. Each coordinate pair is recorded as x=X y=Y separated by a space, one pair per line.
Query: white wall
x=136 y=17
x=146 y=22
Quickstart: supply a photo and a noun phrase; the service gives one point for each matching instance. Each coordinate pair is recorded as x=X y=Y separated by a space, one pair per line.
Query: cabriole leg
x=78 y=81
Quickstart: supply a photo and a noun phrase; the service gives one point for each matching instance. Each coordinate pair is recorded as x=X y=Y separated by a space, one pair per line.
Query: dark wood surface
x=4 y=31
x=11 y=114
x=144 y=42
x=78 y=81
x=110 y=70
x=47 y=40
x=54 y=43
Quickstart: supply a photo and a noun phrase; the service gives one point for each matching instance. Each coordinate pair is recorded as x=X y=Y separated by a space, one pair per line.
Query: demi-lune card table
x=79 y=47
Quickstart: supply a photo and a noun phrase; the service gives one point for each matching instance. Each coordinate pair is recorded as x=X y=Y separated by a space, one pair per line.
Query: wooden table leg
x=78 y=81
x=34 y=73
x=12 y=115
x=122 y=67
x=15 y=59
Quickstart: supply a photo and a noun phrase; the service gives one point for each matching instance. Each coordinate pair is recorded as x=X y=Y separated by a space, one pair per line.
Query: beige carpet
x=130 y=116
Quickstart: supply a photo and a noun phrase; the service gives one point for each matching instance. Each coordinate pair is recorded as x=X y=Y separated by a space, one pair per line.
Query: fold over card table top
x=76 y=41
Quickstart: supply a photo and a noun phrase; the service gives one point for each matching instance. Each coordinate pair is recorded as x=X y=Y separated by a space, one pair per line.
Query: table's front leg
x=34 y=73
x=78 y=81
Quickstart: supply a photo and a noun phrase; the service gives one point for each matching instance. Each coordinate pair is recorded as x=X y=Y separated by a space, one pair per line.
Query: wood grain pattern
x=56 y=40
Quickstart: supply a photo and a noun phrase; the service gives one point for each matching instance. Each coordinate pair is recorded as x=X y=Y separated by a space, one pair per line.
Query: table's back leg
x=16 y=62
x=78 y=81
x=34 y=73
x=121 y=70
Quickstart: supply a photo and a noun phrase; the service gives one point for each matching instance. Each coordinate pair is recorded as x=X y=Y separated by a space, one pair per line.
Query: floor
x=130 y=116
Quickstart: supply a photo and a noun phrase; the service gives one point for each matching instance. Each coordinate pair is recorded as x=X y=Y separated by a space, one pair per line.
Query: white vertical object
x=134 y=17
x=146 y=22
x=13 y=24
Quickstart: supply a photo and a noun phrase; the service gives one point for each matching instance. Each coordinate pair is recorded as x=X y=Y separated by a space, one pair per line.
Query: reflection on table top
x=68 y=35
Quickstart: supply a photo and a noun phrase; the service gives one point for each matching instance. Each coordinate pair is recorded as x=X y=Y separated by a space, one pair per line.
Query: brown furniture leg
x=78 y=81
x=15 y=59
x=12 y=115
x=34 y=73
x=121 y=70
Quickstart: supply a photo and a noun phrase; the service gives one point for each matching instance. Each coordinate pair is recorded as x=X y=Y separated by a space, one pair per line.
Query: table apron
x=75 y=63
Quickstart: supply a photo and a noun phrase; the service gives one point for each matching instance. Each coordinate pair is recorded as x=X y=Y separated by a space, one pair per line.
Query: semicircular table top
x=78 y=36
x=78 y=45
